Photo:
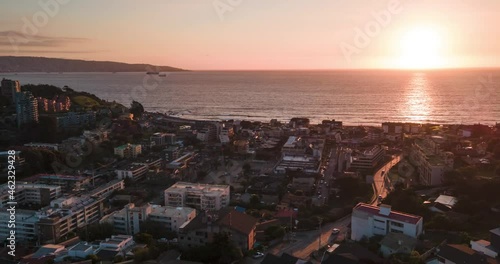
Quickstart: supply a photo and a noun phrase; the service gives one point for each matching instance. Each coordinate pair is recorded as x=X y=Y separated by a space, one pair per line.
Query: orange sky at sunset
x=258 y=34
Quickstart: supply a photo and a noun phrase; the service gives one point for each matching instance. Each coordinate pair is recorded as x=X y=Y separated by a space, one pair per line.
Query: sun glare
x=420 y=49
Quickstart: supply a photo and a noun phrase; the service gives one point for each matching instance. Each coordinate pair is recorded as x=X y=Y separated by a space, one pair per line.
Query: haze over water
x=355 y=97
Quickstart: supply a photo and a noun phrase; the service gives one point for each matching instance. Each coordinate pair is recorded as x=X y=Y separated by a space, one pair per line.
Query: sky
x=258 y=34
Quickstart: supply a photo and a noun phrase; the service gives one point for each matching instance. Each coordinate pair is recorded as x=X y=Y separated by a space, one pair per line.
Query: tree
x=415 y=257
x=143 y=238
x=141 y=254
x=136 y=109
x=96 y=232
x=94 y=258
x=254 y=200
x=118 y=259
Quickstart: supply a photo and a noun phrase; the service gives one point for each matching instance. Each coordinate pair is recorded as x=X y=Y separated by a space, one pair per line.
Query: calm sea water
x=355 y=97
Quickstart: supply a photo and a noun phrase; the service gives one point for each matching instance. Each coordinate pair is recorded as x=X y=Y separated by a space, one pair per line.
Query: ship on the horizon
x=152 y=72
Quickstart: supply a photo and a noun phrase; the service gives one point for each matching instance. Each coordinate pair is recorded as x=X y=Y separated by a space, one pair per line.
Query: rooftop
x=393 y=215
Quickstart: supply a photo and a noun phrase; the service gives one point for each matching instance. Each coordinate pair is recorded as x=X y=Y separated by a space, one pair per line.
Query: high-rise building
x=10 y=88
x=26 y=108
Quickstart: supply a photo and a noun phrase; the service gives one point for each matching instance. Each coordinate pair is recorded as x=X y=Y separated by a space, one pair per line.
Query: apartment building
x=132 y=171
x=67 y=182
x=430 y=161
x=25 y=226
x=128 y=220
x=67 y=214
x=368 y=220
x=108 y=188
x=26 y=108
x=30 y=193
x=366 y=160
x=196 y=195
x=9 y=88
x=161 y=139
x=74 y=120
x=128 y=150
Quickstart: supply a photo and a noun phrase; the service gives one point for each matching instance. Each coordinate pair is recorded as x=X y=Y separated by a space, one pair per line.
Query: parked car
x=258 y=255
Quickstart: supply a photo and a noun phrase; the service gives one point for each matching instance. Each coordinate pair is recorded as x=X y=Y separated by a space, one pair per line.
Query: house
x=443 y=203
x=396 y=243
x=461 y=254
x=200 y=230
x=81 y=250
x=489 y=248
x=368 y=220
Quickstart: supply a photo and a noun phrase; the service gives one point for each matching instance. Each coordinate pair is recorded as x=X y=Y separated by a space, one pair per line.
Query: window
x=396 y=231
x=397 y=224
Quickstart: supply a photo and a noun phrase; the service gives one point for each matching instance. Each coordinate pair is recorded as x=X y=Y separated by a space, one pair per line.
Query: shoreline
x=191 y=120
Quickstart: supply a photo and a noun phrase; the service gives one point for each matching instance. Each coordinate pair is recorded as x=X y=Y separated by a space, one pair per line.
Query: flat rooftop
x=394 y=215
x=196 y=187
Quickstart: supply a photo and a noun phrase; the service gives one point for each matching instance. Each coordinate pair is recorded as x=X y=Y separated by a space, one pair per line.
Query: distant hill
x=41 y=64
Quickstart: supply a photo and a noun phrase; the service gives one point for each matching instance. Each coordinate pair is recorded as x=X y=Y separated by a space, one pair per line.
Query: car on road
x=335 y=231
x=258 y=255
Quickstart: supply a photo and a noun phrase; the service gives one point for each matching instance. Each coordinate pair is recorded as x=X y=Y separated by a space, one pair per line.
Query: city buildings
x=201 y=230
x=128 y=220
x=200 y=196
x=60 y=103
x=25 y=227
x=430 y=160
x=73 y=120
x=67 y=182
x=128 y=150
x=132 y=171
x=9 y=89
x=161 y=139
x=67 y=214
x=26 y=108
x=368 y=220
x=489 y=248
x=30 y=193
x=366 y=160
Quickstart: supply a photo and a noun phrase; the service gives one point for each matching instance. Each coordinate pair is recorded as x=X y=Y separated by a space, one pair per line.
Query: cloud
x=11 y=38
x=33 y=51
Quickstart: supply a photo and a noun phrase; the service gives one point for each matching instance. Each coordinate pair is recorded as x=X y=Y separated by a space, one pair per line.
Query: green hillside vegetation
x=85 y=101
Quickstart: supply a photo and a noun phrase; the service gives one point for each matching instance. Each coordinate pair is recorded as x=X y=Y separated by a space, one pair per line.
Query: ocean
x=357 y=97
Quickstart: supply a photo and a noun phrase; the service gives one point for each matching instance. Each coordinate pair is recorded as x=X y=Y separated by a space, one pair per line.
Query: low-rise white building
x=128 y=220
x=133 y=171
x=25 y=225
x=368 y=220
x=30 y=193
x=201 y=196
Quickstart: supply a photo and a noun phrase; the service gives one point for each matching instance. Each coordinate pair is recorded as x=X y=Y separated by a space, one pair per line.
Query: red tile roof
x=394 y=215
x=286 y=213
x=240 y=222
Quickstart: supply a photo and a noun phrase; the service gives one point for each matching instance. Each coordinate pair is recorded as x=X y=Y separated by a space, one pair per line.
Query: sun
x=420 y=49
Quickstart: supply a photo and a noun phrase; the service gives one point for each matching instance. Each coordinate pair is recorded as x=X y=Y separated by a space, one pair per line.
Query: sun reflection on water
x=418 y=99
